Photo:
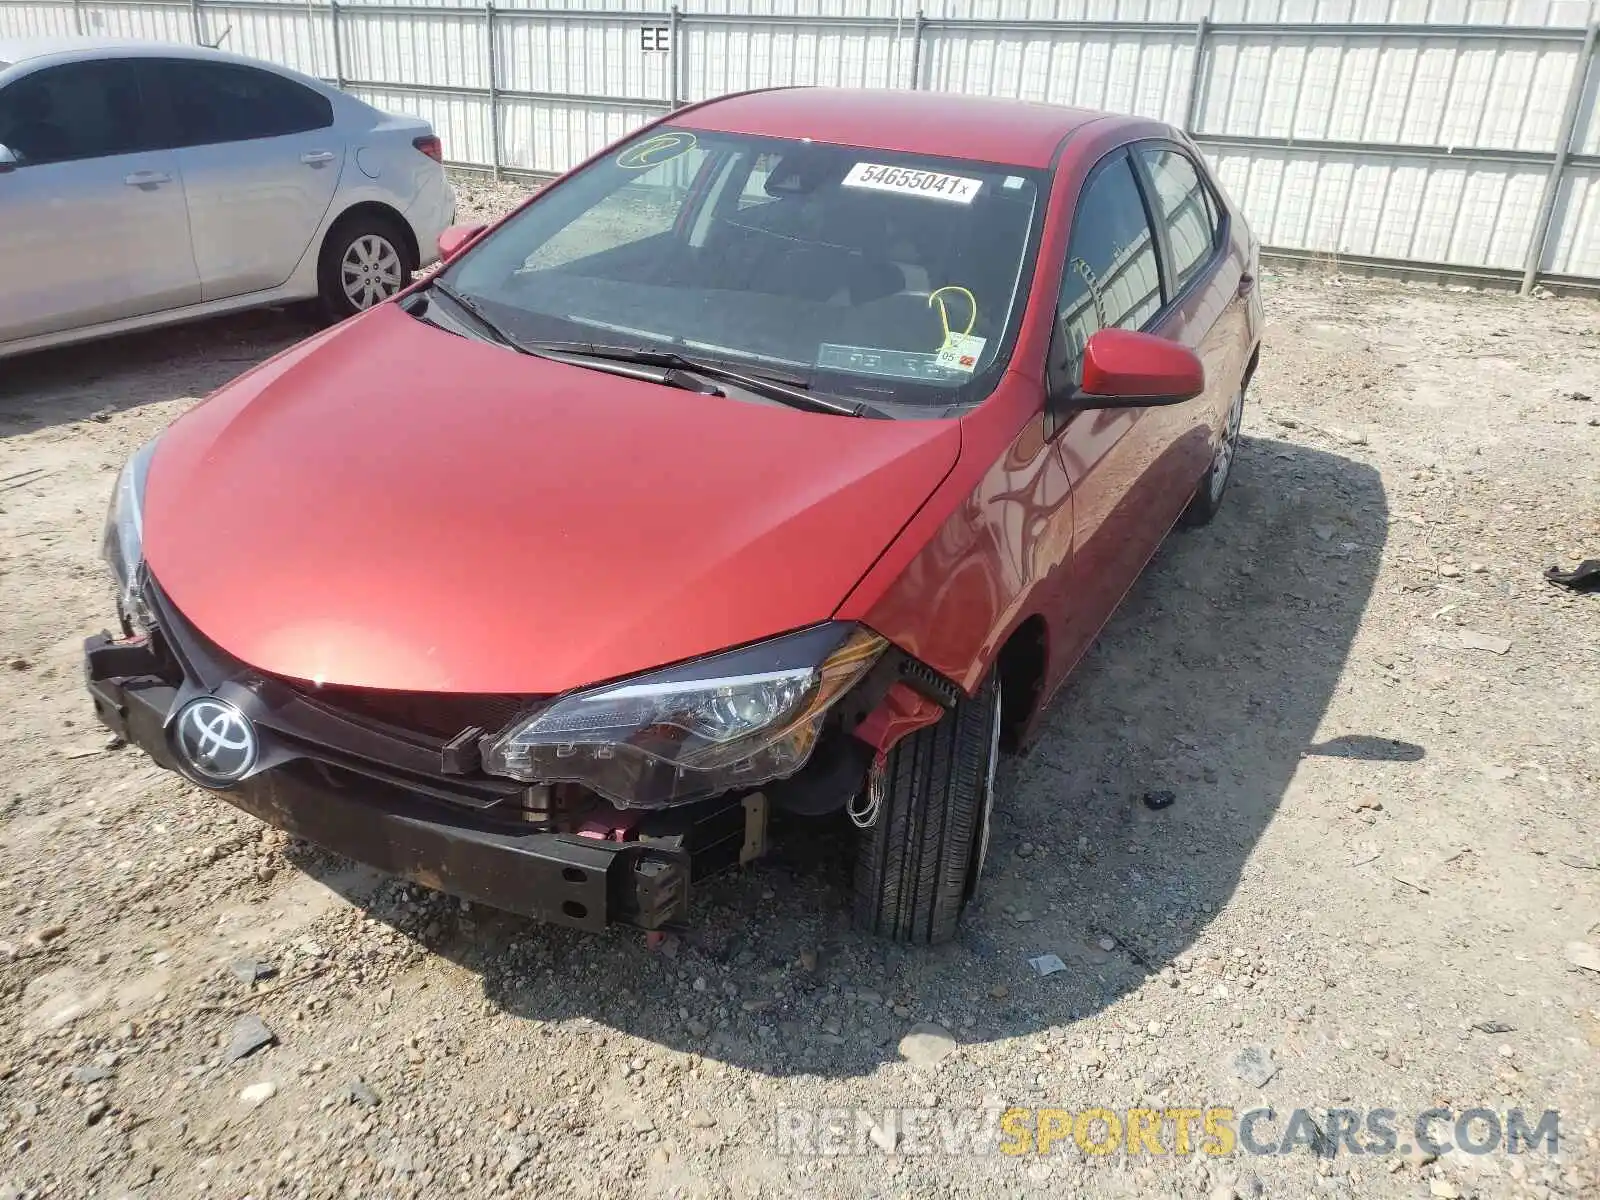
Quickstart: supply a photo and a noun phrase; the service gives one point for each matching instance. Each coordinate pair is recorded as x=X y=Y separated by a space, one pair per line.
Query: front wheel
x=918 y=861
x=365 y=260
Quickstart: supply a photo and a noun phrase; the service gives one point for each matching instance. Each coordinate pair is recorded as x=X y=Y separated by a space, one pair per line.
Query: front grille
x=436 y=714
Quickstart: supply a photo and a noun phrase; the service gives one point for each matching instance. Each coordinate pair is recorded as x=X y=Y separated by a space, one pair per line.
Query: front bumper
x=454 y=835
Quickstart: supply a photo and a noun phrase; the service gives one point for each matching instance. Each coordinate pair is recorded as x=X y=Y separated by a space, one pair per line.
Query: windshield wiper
x=671 y=376
x=785 y=388
x=473 y=309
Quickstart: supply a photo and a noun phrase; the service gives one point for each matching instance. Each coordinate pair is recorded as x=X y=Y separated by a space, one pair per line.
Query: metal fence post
x=917 y=26
x=1191 y=106
x=194 y=22
x=494 y=89
x=1552 y=183
x=77 y=17
x=338 y=48
x=674 y=31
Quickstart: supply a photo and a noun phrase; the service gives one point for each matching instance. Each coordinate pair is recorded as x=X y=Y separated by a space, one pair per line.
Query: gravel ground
x=1378 y=873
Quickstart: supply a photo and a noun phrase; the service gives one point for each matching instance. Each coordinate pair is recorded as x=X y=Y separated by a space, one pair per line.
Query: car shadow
x=1211 y=683
x=94 y=380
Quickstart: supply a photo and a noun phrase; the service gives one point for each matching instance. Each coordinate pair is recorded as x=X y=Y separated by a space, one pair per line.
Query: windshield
x=884 y=276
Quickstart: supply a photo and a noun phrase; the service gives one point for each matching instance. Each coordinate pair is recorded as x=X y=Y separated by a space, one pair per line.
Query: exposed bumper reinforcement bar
x=563 y=878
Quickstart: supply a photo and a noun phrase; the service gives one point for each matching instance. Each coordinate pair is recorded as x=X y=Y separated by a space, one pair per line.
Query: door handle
x=1246 y=282
x=317 y=158
x=146 y=178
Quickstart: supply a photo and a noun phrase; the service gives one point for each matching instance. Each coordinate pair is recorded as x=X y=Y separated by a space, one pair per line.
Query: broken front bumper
x=448 y=833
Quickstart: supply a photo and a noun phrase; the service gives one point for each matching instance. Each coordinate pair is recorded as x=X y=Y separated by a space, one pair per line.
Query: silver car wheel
x=1228 y=447
x=370 y=271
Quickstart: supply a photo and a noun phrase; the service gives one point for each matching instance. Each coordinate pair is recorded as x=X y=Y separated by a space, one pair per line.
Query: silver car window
x=213 y=102
x=74 y=111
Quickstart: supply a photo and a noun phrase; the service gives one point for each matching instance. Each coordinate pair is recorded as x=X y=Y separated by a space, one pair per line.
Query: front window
x=884 y=276
x=74 y=111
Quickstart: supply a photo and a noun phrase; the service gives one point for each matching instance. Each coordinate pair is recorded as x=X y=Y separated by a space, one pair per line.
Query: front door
x=1112 y=279
x=94 y=224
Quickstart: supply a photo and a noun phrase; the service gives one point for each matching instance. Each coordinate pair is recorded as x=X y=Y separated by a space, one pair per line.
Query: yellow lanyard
x=944 y=313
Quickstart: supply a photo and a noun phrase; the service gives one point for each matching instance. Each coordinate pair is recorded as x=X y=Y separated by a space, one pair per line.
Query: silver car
x=143 y=184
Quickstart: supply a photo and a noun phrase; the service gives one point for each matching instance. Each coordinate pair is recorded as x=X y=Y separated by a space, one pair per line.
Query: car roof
x=1018 y=132
x=15 y=51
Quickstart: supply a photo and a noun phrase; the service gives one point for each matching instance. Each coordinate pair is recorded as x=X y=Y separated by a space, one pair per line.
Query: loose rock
x=251 y=970
x=1585 y=955
x=258 y=1094
x=250 y=1033
x=927 y=1045
x=1472 y=640
x=1255 y=1066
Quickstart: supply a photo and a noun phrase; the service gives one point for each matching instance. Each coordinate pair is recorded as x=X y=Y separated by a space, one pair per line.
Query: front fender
x=975 y=562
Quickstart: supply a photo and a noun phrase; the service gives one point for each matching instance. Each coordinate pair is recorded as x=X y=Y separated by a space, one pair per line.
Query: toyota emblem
x=215 y=741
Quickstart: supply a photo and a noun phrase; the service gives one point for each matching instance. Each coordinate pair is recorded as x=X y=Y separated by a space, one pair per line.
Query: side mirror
x=1124 y=369
x=8 y=159
x=457 y=236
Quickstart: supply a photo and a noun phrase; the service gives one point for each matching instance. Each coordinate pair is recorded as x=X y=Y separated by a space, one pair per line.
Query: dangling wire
x=863 y=807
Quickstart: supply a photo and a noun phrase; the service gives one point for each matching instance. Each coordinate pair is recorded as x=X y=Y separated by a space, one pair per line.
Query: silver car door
x=95 y=225
x=261 y=159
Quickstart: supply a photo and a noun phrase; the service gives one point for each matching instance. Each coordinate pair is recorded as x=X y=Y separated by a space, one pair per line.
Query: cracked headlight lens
x=717 y=724
x=122 y=543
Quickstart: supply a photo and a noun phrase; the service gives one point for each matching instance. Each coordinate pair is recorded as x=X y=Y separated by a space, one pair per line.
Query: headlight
x=122 y=544
x=731 y=721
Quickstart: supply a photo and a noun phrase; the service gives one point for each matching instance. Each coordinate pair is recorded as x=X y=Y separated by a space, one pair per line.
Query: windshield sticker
x=960 y=352
x=869 y=360
x=935 y=185
x=653 y=151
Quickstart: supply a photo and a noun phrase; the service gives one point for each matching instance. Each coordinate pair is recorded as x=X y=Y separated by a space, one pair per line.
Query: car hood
x=391 y=506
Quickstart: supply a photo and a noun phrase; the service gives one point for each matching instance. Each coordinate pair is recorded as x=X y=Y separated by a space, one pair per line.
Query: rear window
x=1185 y=208
x=213 y=102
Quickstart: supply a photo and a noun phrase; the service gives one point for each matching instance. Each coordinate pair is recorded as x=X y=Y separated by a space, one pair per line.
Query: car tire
x=918 y=862
x=365 y=260
x=1207 y=500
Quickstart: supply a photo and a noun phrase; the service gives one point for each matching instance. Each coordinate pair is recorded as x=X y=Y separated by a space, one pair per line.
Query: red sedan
x=781 y=459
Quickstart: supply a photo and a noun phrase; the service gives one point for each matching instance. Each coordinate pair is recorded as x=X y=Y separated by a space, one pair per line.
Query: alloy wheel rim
x=370 y=270
x=1229 y=446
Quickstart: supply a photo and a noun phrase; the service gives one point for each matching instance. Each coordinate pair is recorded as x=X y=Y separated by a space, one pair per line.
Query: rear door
x=1207 y=310
x=261 y=160
x=93 y=225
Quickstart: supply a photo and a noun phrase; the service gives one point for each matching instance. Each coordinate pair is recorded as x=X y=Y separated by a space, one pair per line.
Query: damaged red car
x=783 y=458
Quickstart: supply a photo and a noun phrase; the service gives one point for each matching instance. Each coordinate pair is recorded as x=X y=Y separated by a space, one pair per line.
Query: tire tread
x=912 y=866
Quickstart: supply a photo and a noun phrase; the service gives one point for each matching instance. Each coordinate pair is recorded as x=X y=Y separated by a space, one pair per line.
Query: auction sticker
x=960 y=352
x=935 y=185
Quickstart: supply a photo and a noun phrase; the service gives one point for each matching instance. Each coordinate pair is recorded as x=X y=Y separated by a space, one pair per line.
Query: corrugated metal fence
x=1460 y=137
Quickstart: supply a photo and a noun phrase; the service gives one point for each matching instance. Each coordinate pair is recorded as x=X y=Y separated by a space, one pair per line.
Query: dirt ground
x=1381 y=867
